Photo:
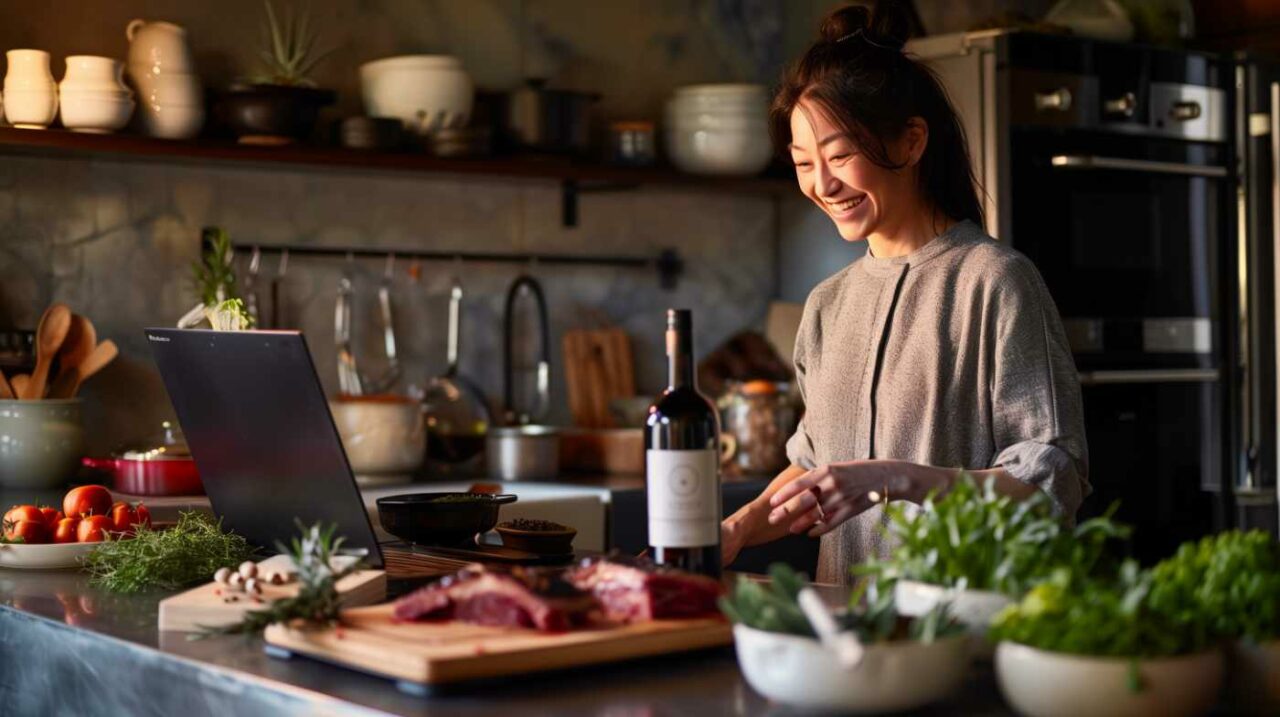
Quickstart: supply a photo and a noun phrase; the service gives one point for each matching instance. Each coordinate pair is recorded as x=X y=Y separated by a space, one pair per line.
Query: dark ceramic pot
x=272 y=114
x=444 y=519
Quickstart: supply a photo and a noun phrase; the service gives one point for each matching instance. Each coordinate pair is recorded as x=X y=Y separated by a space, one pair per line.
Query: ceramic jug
x=89 y=73
x=158 y=47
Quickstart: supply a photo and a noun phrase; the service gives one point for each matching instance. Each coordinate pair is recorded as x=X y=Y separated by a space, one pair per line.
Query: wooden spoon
x=81 y=340
x=67 y=386
x=6 y=391
x=50 y=334
x=20 y=384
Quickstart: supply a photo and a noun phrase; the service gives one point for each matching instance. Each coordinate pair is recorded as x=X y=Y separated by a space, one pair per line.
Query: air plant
x=288 y=47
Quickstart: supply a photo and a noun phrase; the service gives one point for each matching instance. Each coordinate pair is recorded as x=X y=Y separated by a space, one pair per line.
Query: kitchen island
x=69 y=648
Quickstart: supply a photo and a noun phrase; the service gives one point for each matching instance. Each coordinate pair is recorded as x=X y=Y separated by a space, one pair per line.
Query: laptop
x=258 y=424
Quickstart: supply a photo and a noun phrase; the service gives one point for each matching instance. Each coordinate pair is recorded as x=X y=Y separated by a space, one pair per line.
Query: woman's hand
x=733 y=538
x=823 y=498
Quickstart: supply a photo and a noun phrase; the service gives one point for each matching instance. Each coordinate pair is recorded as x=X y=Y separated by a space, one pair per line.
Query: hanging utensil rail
x=668 y=263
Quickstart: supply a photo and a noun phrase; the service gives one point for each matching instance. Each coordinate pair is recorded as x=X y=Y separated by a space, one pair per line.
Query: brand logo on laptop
x=162 y=339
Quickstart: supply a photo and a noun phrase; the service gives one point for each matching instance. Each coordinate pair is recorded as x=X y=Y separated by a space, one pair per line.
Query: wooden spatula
x=20 y=384
x=52 y=331
x=67 y=385
x=81 y=340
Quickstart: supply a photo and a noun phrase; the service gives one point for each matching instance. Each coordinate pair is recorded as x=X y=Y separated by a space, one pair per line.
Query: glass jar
x=760 y=416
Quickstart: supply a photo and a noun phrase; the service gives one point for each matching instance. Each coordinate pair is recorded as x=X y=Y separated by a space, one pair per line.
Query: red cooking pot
x=165 y=469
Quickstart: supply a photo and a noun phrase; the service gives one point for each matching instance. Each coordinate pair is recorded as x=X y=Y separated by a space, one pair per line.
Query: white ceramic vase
x=156 y=47
x=170 y=97
x=31 y=97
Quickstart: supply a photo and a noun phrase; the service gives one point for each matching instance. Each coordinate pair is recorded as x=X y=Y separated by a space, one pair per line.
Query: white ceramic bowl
x=739 y=152
x=31 y=109
x=425 y=92
x=745 y=107
x=385 y=440
x=727 y=89
x=1253 y=677
x=1038 y=683
x=891 y=677
x=50 y=556
x=974 y=608
x=95 y=112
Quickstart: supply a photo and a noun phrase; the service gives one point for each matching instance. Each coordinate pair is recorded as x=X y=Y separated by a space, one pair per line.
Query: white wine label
x=684 y=498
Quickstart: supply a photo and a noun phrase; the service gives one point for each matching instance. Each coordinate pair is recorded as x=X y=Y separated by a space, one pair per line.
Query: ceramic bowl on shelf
x=425 y=92
x=1038 y=683
x=893 y=676
x=96 y=112
x=731 y=152
x=41 y=442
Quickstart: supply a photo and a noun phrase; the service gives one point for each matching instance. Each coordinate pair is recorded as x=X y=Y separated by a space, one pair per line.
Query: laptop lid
x=258 y=425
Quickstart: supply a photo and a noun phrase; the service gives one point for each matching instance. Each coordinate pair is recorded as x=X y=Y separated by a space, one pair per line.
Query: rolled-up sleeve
x=1037 y=416
x=800 y=446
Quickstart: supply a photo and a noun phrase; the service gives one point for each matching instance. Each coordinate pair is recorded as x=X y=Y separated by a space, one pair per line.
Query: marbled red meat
x=637 y=590
x=519 y=597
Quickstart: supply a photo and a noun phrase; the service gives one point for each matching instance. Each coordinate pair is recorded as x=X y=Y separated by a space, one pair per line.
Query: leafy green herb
x=973 y=537
x=215 y=279
x=774 y=607
x=1225 y=586
x=288 y=47
x=178 y=557
x=229 y=315
x=1079 y=615
x=317 y=602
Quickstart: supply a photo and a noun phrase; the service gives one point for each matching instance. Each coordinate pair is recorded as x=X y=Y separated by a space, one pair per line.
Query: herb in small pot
x=975 y=538
x=174 y=558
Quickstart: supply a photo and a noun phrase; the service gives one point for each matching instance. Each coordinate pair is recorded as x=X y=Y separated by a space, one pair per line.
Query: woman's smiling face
x=860 y=196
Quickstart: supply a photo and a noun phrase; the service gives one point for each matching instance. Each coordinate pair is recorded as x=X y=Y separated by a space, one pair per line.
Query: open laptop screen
x=258 y=424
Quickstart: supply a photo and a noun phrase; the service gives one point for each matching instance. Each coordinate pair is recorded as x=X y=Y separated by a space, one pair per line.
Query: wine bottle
x=682 y=462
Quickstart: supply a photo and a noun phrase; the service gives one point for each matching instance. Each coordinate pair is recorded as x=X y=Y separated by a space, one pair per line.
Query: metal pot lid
x=166 y=445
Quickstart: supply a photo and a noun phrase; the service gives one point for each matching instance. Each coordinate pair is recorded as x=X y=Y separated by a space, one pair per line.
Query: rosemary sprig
x=317 y=602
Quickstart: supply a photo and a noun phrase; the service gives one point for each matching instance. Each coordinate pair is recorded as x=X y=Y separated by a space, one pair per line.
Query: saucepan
x=162 y=466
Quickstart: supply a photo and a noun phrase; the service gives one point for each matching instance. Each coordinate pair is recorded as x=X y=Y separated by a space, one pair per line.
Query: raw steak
x=519 y=597
x=637 y=590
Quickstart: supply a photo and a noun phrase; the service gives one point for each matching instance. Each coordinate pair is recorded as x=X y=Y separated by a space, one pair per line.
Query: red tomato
x=65 y=530
x=51 y=516
x=31 y=532
x=87 y=500
x=144 y=515
x=23 y=512
x=93 y=529
x=123 y=518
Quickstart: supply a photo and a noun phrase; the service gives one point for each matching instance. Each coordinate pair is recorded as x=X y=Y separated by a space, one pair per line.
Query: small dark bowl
x=423 y=519
x=542 y=542
x=272 y=114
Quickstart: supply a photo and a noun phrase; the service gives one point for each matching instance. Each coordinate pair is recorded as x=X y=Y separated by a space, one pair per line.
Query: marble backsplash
x=116 y=240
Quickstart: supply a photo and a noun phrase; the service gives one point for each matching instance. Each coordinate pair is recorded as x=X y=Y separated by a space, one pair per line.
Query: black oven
x=1120 y=192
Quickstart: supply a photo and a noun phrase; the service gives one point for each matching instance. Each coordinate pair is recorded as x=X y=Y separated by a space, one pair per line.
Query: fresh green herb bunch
x=1225 y=586
x=181 y=556
x=213 y=275
x=973 y=537
x=288 y=47
x=229 y=315
x=1077 y=615
x=317 y=602
x=774 y=607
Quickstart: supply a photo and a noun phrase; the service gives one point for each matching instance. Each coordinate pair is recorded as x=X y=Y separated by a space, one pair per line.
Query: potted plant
x=905 y=662
x=1081 y=646
x=1226 y=587
x=980 y=550
x=280 y=105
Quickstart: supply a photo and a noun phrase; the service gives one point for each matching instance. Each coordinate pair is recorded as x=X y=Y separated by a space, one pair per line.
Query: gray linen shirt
x=951 y=356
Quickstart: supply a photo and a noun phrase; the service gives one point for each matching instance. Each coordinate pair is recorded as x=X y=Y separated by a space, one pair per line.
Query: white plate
x=49 y=556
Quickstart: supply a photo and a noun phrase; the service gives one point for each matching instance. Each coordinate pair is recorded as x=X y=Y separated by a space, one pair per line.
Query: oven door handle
x=1172 y=375
x=1088 y=161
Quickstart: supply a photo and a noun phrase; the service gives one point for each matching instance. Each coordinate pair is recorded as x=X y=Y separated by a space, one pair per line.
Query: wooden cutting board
x=598 y=369
x=432 y=653
x=205 y=605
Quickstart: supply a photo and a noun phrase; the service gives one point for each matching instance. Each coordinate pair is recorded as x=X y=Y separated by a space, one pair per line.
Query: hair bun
x=890 y=25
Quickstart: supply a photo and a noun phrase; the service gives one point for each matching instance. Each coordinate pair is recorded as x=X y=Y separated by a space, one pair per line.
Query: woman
x=940 y=350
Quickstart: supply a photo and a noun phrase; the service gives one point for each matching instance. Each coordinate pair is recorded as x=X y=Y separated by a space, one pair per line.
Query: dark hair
x=858 y=75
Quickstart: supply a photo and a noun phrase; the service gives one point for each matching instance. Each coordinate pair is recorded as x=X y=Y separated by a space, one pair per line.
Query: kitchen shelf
x=575 y=176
